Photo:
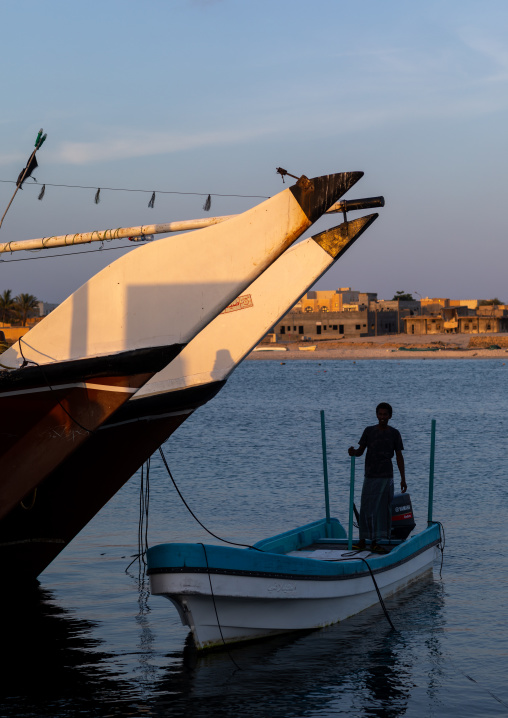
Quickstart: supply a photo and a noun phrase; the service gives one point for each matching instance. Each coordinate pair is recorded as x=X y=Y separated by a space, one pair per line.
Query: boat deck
x=333 y=550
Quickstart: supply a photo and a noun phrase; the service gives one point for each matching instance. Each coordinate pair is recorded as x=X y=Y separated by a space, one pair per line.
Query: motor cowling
x=402 y=516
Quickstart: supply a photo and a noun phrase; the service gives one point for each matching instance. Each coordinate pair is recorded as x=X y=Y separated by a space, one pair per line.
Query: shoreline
x=399 y=347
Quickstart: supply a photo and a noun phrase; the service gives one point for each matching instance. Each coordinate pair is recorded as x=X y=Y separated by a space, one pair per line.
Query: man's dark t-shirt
x=381 y=446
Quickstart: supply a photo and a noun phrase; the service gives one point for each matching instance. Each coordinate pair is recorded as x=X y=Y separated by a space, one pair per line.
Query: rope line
x=51 y=388
x=232 y=543
x=215 y=609
x=360 y=558
x=144 y=510
x=147 y=191
x=65 y=254
x=32 y=502
x=441 y=545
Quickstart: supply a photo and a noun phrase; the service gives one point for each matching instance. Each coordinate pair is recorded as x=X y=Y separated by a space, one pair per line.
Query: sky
x=190 y=97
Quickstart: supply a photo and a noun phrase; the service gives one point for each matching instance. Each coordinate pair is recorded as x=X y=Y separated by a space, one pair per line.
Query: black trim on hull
x=153 y=405
x=148 y=360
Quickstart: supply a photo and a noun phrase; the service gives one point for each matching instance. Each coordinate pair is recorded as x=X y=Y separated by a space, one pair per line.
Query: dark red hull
x=47 y=413
x=73 y=493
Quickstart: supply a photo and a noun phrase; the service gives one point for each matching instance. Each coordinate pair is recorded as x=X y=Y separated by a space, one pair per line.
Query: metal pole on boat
x=351 y=503
x=325 y=470
x=431 y=470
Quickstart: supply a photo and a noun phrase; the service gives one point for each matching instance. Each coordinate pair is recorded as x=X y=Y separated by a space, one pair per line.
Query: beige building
x=469 y=303
x=460 y=318
x=483 y=324
x=347 y=312
x=336 y=300
x=296 y=325
x=425 y=324
x=435 y=301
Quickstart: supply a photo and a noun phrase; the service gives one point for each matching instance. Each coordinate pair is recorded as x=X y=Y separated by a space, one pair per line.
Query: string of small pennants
x=31 y=165
x=207 y=205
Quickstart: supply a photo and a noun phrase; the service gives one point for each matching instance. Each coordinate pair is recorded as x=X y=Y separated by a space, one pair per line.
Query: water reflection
x=146 y=670
x=360 y=667
x=51 y=662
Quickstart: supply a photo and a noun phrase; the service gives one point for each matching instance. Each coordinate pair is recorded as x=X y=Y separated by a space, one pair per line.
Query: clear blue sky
x=212 y=96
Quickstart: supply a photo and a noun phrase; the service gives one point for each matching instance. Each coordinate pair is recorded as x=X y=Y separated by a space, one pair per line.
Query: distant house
x=459 y=319
x=425 y=324
x=483 y=324
x=335 y=325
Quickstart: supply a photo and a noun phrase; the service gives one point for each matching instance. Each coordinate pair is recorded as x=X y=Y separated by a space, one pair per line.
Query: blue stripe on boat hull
x=190 y=558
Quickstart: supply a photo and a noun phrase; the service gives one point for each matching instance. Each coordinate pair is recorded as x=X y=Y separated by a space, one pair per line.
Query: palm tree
x=6 y=304
x=24 y=304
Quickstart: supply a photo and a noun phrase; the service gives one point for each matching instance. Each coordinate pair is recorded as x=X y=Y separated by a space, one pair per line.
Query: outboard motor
x=402 y=516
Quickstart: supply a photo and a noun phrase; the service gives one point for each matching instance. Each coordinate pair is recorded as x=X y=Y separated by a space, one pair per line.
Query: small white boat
x=299 y=580
x=307 y=349
x=268 y=348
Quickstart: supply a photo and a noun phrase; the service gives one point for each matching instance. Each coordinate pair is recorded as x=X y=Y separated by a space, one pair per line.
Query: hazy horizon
x=210 y=96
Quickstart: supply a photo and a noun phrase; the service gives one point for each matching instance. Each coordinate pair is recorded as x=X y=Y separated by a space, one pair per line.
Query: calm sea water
x=90 y=641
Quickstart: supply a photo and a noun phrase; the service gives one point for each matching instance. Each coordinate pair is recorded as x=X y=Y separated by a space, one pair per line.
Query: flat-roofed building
x=336 y=300
x=295 y=326
x=469 y=303
x=483 y=324
x=425 y=324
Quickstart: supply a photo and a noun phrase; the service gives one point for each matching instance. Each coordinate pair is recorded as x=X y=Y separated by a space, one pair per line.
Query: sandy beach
x=399 y=347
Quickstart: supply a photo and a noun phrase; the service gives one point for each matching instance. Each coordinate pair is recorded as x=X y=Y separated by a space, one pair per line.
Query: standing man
x=382 y=442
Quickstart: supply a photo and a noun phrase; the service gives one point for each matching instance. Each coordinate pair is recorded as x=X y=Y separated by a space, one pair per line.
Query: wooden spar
x=106 y=235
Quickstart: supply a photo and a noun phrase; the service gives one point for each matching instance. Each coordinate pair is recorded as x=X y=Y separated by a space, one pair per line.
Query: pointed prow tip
x=315 y=196
x=337 y=240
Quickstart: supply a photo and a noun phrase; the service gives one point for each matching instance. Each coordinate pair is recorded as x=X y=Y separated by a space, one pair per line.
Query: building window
x=324 y=309
x=334 y=327
x=325 y=328
x=364 y=325
x=294 y=329
x=488 y=327
x=341 y=328
x=300 y=330
x=308 y=309
x=289 y=329
x=283 y=330
x=357 y=326
x=318 y=329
